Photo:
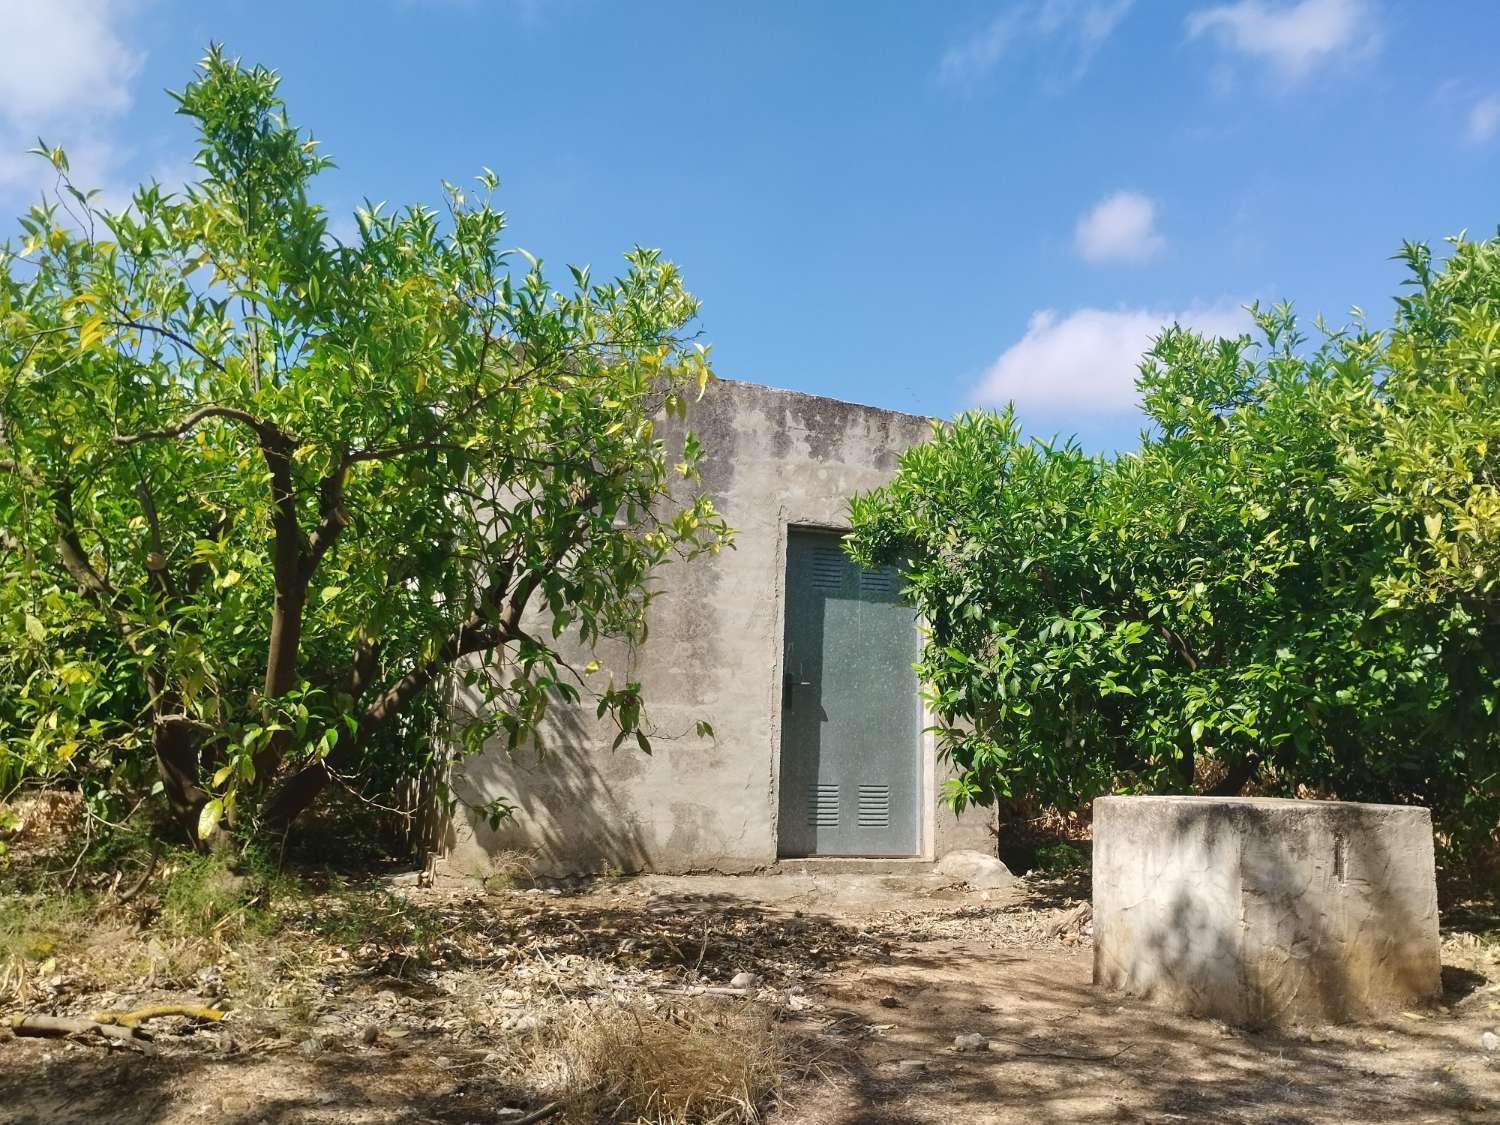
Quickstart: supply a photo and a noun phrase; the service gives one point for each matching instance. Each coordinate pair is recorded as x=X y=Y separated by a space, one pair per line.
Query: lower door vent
x=823 y=806
x=874 y=806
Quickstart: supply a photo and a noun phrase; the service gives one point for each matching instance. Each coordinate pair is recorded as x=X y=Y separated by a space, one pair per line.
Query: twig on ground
x=62 y=1027
x=702 y=950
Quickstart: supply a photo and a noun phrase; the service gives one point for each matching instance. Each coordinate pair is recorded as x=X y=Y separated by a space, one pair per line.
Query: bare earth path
x=875 y=977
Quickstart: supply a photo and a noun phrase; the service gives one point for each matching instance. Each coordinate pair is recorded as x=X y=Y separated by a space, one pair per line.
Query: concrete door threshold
x=852 y=865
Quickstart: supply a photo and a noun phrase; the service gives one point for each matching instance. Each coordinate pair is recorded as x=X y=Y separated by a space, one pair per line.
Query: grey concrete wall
x=1262 y=911
x=774 y=458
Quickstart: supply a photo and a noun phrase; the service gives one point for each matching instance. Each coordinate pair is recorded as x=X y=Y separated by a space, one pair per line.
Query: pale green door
x=850 y=718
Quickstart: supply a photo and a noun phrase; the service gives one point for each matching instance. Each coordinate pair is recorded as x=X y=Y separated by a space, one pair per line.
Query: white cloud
x=63 y=58
x=1073 y=30
x=1121 y=228
x=1086 y=363
x=65 y=75
x=1293 y=37
x=1484 y=119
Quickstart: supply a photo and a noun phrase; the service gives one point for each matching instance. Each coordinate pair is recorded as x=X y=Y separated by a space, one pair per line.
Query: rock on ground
x=980 y=871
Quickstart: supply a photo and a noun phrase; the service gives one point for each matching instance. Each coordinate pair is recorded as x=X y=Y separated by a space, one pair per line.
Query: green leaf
x=208 y=818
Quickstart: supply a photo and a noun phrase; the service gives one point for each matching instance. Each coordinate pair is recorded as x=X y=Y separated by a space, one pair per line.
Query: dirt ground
x=871 y=977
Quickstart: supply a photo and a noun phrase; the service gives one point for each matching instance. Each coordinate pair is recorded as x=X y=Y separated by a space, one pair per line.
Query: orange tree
x=264 y=490
x=1292 y=578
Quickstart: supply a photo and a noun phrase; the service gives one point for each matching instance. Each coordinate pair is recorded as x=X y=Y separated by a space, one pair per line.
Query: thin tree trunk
x=176 y=752
x=298 y=792
x=1239 y=775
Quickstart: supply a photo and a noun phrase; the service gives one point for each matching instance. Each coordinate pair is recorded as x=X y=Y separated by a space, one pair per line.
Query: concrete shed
x=800 y=661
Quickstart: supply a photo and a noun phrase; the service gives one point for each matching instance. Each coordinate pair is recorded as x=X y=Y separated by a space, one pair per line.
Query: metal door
x=850 y=738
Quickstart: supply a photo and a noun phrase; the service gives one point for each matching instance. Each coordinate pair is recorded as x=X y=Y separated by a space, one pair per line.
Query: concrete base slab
x=849 y=865
x=1262 y=911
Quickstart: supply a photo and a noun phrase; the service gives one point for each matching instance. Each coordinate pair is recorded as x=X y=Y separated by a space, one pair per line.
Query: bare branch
x=167 y=333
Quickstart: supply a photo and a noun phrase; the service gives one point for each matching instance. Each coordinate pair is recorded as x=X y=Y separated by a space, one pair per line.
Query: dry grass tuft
x=510 y=868
x=704 y=1061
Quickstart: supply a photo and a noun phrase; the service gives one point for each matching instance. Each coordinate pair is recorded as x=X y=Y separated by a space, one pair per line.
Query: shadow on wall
x=564 y=811
x=1302 y=914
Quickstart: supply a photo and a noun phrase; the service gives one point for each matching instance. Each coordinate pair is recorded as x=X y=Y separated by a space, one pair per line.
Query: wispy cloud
x=1072 y=30
x=1121 y=228
x=66 y=74
x=1085 y=363
x=1484 y=119
x=1293 y=37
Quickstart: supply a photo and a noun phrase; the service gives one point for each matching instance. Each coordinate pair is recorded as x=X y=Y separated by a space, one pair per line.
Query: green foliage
x=1292 y=576
x=1060 y=858
x=263 y=489
x=205 y=895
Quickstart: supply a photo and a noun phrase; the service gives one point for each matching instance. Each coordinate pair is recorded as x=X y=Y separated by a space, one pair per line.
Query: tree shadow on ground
x=1060 y=1053
x=342 y=1084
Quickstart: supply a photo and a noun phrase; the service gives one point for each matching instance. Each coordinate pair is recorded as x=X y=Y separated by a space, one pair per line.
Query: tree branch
x=263 y=430
x=167 y=333
x=333 y=518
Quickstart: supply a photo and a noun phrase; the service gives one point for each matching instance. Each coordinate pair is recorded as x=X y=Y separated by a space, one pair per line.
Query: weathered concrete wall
x=774 y=458
x=1263 y=911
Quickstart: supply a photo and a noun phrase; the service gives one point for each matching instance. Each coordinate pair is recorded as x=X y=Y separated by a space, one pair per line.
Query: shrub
x=1292 y=578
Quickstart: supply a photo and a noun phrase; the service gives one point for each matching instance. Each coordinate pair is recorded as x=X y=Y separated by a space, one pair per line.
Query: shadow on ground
x=876 y=1041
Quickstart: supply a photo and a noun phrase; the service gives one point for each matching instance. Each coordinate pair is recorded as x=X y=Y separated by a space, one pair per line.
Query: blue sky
x=921 y=206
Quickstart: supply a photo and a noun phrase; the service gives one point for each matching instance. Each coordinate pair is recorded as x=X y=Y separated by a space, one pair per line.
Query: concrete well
x=1260 y=911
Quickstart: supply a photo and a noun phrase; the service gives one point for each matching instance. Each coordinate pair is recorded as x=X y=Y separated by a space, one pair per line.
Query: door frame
x=926 y=744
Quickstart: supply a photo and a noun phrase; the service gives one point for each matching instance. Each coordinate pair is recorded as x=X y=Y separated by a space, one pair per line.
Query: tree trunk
x=294 y=796
x=298 y=792
x=1239 y=775
x=291 y=579
x=177 y=761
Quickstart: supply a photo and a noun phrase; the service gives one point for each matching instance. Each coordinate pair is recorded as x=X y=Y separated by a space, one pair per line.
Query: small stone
x=369 y=1035
x=1490 y=1041
x=971 y=1042
x=311 y=1047
x=744 y=979
x=911 y=1066
x=889 y=1002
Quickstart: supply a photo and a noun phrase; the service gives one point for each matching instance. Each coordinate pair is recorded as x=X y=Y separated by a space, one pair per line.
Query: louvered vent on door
x=874 y=806
x=879 y=583
x=823 y=806
x=828 y=564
